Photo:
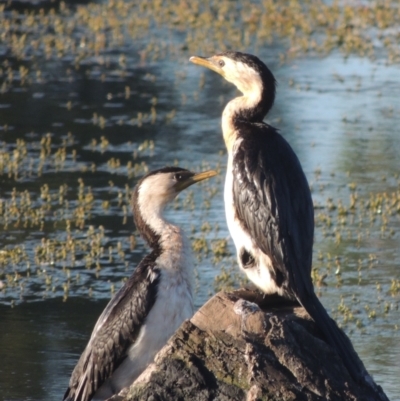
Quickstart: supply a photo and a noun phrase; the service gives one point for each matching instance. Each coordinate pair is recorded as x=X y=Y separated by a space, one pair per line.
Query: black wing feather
x=273 y=200
x=115 y=331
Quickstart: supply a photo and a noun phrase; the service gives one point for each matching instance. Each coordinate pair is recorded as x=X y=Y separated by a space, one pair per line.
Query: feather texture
x=109 y=343
x=273 y=203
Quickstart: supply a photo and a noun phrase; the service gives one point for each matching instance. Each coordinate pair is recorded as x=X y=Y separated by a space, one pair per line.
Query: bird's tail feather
x=335 y=337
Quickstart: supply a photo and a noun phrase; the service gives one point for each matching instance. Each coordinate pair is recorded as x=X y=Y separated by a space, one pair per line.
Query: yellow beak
x=195 y=178
x=208 y=63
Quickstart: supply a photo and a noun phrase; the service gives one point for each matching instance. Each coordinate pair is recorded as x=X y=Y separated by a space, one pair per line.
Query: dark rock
x=243 y=346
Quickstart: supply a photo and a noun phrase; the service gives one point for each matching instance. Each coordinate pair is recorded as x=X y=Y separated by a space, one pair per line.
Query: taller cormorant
x=151 y=305
x=268 y=203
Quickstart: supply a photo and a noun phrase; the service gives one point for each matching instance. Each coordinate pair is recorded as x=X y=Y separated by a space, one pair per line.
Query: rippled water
x=95 y=130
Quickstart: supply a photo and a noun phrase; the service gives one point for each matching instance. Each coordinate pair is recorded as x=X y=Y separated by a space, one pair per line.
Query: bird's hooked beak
x=197 y=177
x=209 y=63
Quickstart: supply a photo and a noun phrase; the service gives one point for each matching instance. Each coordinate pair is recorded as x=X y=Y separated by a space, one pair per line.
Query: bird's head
x=163 y=185
x=247 y=72
x=155 y=190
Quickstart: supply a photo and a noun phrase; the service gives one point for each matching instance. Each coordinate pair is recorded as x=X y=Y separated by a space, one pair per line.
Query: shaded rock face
x=239 y=346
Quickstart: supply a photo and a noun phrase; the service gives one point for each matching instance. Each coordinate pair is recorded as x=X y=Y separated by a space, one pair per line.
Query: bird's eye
x=221 y=63
x=178 y=177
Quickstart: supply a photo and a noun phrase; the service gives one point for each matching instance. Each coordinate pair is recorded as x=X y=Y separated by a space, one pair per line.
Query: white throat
x=233 y=110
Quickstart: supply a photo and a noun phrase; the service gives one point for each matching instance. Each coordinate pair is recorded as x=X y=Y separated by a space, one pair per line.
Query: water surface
x=74 y=142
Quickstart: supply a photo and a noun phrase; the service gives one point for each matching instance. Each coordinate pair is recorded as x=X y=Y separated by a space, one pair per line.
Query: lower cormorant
x=151 y=305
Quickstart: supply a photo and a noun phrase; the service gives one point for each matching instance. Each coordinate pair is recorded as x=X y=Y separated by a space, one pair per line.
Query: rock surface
x=242 y=346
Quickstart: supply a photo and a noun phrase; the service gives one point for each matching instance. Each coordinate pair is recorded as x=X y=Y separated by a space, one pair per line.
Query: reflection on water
x=74 y=143
x=40 y=343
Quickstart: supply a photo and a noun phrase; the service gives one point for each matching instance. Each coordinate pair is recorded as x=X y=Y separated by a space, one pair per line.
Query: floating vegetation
x=220 y=249
x=65 y=202
x=90 y=33
x=64 y=245
x=95 y=41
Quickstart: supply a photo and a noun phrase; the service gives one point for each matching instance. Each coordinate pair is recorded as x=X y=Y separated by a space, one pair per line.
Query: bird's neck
x=247 y=108
x=161 y=235
x=175 y=252
x=152 y=224
x=171 y=237
x=176 y=256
